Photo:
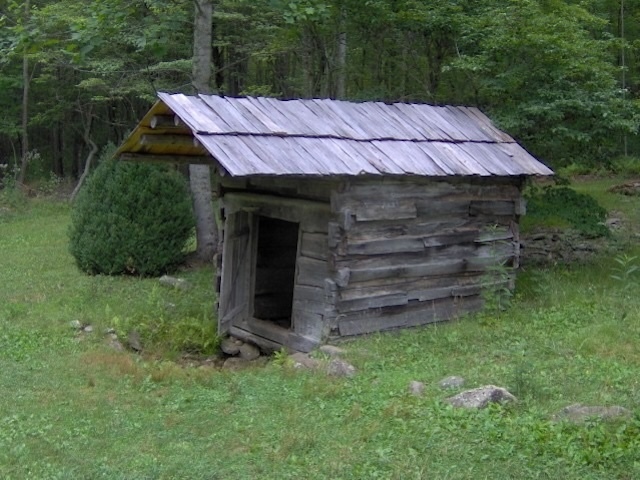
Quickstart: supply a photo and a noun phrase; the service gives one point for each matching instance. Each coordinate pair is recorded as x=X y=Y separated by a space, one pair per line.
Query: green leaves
x=547 y=79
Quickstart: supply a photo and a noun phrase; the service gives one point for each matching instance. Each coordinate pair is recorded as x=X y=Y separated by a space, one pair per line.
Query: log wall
x=380 y=254
x=411 y=252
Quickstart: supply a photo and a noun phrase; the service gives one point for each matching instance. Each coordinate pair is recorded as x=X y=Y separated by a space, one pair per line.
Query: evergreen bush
x=131 y=218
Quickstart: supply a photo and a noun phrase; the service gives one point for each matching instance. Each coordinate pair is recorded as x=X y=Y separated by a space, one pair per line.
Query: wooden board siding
x=427 y=263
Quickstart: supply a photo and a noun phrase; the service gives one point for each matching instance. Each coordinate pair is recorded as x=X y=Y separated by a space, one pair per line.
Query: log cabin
x=343 y=218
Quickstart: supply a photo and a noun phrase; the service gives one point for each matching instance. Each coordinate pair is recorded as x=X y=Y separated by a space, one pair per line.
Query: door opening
x=275 y=270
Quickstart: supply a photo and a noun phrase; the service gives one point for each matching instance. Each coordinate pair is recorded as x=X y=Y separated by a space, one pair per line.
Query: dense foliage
x=561 y=203
x=131 y=219
x=559 y=75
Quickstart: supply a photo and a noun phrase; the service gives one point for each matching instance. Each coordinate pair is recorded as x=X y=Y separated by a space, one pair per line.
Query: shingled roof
x=319 y=137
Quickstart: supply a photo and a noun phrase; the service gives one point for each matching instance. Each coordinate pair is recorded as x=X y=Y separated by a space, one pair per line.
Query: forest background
x=561 y=76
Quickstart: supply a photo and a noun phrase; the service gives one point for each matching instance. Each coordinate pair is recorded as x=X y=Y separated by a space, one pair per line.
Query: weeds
x=626 y=270
x=162 y=328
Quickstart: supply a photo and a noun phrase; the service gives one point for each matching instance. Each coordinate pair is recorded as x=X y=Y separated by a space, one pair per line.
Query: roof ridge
x=338 y=137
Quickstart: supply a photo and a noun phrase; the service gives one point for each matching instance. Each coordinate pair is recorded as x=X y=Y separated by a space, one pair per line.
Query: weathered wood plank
x=317 y=307
x=316 y=189
x=449 y=267
x=495 y=235
x=312 y=216
x=416 y=188
x=383 y=298
x=310 y=324
x=334 y=235
x=378 y=301
x=314 y=245
x=309 y=293
x=430 y=255
x=419 y=313
x=446 y=207
x=418 y=227
x=409 y=243
x=311 y=272
x=273 y=332
x=264 y=343
x=492 y=207
x=400 y=285
x=385 y=210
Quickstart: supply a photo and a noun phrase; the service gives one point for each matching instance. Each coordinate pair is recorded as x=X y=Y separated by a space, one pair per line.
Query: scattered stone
x=304 y=361
x=231 y=345
x=332 y=350
x=175 y=282
x=340 y=368
x=416 y=388
x=613 y=223
x=115 y=344
x=451 y=382
x=235 y=363
x=76 y=324
x=630 y=188
x=481 y=397
x=87 y=329
x=578 y=413
x=110 y=331
x=134 y=341
x=248 y=352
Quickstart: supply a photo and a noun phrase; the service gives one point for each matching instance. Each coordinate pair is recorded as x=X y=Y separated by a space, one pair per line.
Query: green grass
x=70 y=407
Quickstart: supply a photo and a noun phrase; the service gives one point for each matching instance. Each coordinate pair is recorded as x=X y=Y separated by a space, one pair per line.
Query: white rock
x=481 y=397
x=416 y=388
x=75 y=324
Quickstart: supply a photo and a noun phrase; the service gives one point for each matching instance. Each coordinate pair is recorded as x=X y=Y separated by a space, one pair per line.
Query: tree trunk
x=341 y=57
x=200 y=175
x=25 y=104
x=92 y=152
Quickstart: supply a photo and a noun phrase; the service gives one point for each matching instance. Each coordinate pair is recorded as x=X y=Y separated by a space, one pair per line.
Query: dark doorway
x=275 y=270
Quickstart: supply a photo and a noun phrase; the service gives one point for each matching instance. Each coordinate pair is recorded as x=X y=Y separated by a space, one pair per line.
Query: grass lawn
x=72 y=407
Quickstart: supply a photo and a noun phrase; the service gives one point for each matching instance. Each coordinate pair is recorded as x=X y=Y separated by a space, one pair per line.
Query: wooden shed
x=344 y=218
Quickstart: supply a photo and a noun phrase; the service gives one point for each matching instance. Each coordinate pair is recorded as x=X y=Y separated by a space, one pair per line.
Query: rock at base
x=340 y=368
x=231 y=346
x=304 y=361
x=249 y=352
x=481 y=397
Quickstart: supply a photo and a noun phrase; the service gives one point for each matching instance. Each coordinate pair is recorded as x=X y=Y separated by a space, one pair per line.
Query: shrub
x=581 y=211
x=131 y=218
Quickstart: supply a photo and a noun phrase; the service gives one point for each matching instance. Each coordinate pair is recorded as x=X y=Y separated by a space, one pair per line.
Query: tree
x=200 y=175
x=545 y=77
